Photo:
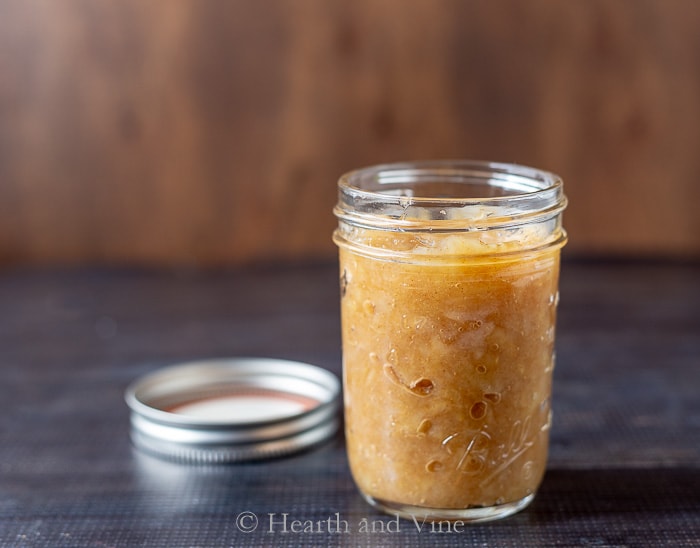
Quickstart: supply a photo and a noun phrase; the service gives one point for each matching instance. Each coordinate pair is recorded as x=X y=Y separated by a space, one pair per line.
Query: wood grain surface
x=624 y=461
x=211 y=132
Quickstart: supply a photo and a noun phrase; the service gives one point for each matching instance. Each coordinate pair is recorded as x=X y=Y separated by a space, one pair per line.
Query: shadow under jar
x=449 y=289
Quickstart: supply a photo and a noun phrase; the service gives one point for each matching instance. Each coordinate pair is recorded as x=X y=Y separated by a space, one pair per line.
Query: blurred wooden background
x=205 y=132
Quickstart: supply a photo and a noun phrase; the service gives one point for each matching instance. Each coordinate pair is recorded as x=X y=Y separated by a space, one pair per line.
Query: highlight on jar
x=449 y=288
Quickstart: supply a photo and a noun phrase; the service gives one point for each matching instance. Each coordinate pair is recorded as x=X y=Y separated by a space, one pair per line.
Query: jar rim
x=383 y=196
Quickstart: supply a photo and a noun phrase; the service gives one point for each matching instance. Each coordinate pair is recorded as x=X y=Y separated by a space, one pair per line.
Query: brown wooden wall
x=213 y=131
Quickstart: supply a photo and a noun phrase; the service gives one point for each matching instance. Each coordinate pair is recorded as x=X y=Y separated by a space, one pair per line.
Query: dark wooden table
x=624 y=465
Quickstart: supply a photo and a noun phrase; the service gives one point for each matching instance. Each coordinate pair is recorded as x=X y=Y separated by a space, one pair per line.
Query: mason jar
x=449 y=289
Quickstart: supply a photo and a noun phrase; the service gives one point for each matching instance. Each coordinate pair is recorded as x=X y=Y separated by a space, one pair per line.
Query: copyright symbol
x=247 y=522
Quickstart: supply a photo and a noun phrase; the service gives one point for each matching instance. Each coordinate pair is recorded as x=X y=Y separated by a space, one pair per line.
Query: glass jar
x=449 y=288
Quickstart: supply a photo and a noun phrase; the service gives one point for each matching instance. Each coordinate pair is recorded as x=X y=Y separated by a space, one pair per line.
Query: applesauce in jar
x=449 y=287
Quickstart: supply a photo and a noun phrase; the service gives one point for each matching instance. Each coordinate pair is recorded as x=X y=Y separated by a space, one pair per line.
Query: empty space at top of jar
x=449 y=209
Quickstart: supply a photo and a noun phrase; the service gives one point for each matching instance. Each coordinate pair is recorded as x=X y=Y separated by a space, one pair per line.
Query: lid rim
x=186 y=433
x=227 y=454
x=203 y=439
x=137 y=405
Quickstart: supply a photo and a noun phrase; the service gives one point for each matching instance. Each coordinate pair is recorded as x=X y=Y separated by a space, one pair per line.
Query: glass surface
x=448 y=317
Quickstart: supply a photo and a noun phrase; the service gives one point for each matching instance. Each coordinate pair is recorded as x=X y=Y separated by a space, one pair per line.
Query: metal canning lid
x=232 y=410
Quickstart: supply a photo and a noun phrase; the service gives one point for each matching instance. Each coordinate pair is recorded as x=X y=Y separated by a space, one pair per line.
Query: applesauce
x=449 y=288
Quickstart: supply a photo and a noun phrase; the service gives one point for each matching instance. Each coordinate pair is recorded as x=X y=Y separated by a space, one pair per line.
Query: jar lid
x=232 y=410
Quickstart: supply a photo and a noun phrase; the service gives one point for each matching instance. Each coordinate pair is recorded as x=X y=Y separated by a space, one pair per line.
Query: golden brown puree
x=447 y=372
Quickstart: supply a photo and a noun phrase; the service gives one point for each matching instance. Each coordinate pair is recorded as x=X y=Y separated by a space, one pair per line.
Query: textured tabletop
x=624 y=467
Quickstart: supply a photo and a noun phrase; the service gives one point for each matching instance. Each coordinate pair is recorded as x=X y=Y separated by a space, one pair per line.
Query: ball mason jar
x=449 y=289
